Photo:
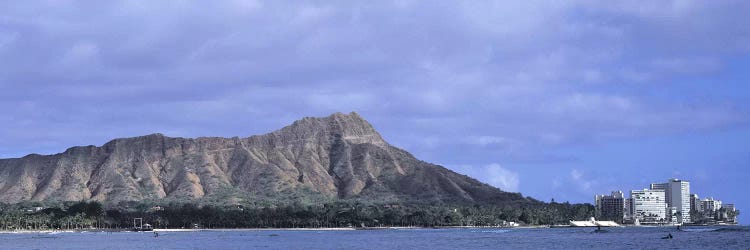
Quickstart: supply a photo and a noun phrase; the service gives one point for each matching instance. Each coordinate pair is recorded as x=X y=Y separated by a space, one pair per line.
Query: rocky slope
x=340 y=157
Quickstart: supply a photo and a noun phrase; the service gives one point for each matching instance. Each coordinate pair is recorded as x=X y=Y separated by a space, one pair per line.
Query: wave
x=698 y=230
x=732 y=229
x=492 y=231
x=44 y=237
x=717 y=229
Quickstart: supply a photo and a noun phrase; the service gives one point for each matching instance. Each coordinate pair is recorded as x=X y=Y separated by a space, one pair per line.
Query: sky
x=554 y=99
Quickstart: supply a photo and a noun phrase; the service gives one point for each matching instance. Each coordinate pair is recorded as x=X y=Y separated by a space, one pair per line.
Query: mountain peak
x=352 y=115
x=339 y=156
x=351 y=127
x=350 y=118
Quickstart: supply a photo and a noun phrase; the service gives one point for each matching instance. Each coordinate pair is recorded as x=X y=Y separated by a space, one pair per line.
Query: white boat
x=593 y=223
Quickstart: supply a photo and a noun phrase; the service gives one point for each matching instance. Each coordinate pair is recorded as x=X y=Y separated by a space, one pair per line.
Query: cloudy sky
x=554 y=99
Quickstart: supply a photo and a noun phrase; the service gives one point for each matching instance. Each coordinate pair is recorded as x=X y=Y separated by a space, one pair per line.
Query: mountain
x=336 y=157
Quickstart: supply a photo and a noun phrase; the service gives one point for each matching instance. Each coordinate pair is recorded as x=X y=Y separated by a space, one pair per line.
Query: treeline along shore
x=94 y=215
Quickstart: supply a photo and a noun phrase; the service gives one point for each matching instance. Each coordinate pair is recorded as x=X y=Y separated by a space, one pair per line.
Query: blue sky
x=559 y=100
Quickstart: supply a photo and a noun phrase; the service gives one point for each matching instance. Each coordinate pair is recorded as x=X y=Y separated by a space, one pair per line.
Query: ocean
x=734 y=237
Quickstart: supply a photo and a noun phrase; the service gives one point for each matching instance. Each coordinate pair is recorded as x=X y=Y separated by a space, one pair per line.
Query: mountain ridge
x=340 y=156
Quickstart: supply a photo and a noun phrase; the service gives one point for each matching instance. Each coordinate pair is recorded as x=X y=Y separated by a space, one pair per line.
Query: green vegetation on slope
x=82 y=215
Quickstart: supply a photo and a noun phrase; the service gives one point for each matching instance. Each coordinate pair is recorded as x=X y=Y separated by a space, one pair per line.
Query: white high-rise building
x=649 y=206
x=677 y=196
x=710 y=205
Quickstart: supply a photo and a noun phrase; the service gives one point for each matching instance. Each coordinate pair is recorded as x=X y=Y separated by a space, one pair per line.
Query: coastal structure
x=695 y=203
x=627 y=210
x=729 y=207
x=731 y=213
x=593 y=223
x=649 y=206
x=712 y=211
x=611 y=207
x=664 y=203
x=677 y=195
x=710 y=205
x=672 y=215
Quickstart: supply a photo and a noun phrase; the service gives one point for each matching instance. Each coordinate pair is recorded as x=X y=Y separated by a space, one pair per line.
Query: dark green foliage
x=24 y=216
x=292 y=215
x=90 y=209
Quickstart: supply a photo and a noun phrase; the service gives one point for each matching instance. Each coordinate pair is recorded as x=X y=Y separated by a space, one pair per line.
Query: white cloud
x=518 y=76
x=485 y=140
x=582 y=182
x=7 y=39
x=532 y=82
x=576 y=174
x=247 y=5
x=687 y=65
x=83 y=54
x=307 y=14
x=502 y=178
x=493 y=174
x=556 y=183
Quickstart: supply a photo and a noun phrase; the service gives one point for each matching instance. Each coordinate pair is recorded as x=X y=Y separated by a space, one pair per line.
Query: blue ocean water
x=465 y=238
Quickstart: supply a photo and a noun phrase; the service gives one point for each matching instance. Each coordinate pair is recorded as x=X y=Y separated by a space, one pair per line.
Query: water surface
x=465 y=238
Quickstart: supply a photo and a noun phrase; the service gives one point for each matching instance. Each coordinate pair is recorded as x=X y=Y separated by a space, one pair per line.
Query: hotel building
x=710 y=205
x=695 y=203
x=677 y=196
x=649 y=206
x=610 y=207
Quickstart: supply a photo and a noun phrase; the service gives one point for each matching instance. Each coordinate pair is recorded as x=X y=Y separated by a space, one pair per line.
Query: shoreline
x=101 y=230
x=98 y=230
